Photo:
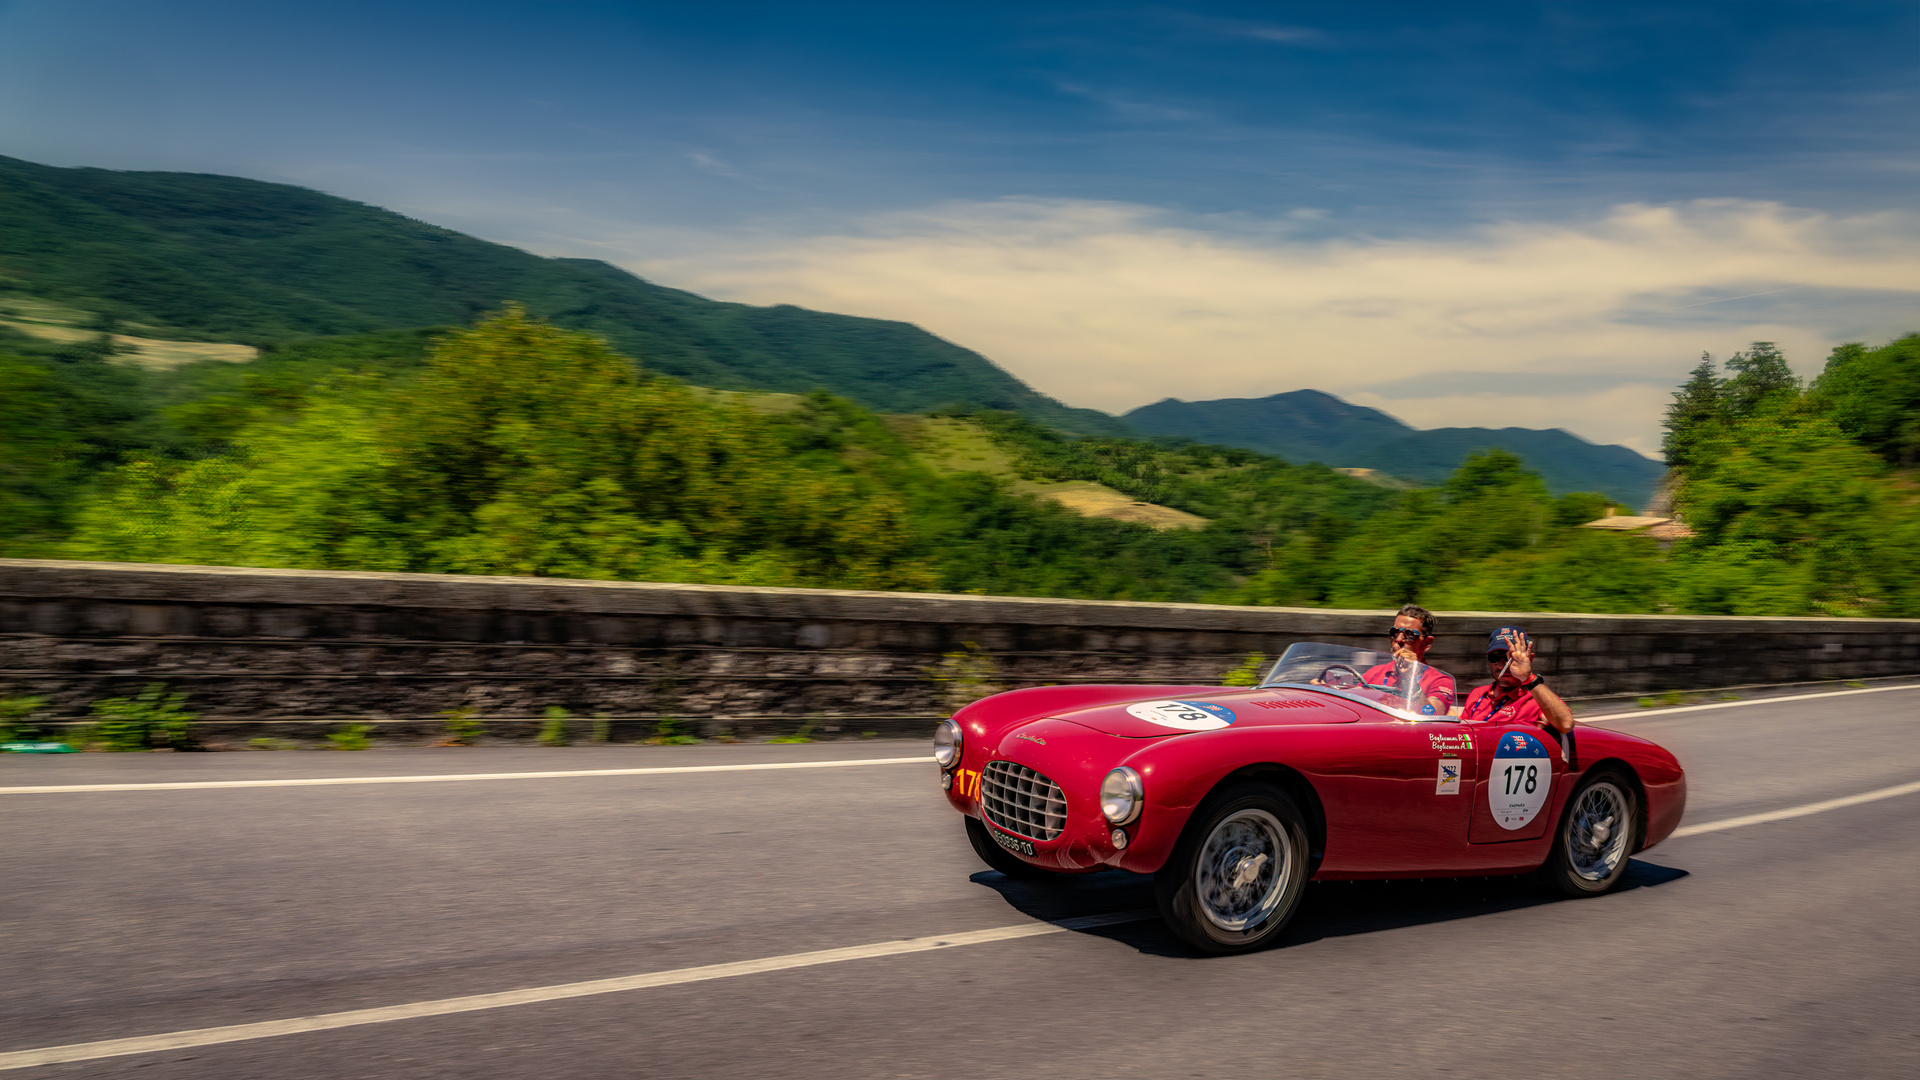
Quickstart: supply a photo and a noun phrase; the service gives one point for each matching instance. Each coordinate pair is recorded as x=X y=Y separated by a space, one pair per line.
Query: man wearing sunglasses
x=1517 y=695
x=1411 y=637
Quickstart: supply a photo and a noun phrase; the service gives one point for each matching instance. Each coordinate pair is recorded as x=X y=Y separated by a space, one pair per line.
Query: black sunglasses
x=1498 y=656
x=1403 y=632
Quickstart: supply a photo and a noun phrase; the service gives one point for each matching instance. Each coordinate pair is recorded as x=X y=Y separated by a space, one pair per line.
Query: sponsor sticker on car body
x=1522 y=779
x=1183 y=715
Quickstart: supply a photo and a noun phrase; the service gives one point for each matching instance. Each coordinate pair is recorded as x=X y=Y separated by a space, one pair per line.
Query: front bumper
x=1077 y=759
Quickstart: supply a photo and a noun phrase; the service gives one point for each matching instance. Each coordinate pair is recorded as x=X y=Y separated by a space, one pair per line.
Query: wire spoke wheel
x=1598 y=831
x=1236 y=877
x=1243 y=869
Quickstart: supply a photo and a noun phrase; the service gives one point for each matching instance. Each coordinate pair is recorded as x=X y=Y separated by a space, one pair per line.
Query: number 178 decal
x=1521 y=780
x=967 y=782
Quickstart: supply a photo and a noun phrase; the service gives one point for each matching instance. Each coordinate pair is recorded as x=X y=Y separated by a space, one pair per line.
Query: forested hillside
x=516 y=447
x=1307 y=425
x=220 y=258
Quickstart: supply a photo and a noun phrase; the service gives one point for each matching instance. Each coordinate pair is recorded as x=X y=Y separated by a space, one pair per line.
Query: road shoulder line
x=180 y=1040
x=1655 y=712
x=1796 y=811
x=437 y=778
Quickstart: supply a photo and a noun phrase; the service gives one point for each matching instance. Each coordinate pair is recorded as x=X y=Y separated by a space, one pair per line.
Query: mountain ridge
x=227 y=258
x=207 y=257
x=1312 y=425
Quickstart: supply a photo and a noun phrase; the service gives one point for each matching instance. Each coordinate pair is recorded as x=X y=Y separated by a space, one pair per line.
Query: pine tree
x=1696 y=407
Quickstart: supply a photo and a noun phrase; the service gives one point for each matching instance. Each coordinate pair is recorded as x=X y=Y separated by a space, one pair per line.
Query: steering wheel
x=1347 y=678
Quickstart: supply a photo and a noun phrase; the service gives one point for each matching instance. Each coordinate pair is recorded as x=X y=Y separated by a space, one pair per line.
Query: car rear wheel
x=1597 y=834
x=1237 y=875
x=998 y=857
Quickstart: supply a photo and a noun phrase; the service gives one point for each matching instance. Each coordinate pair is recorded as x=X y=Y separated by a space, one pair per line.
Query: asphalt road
x=1787 y=948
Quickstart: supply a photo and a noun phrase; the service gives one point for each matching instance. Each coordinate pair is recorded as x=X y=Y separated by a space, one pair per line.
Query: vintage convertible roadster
x=1234 y=798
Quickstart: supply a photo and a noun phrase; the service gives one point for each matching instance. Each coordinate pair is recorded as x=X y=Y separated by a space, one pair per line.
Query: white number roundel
x=1183 y=715
x=1521 y=779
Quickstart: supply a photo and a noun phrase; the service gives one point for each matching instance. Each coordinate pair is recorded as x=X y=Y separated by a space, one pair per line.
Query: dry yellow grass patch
x=1097 y=500
x=767 y=404
x=952 y=446
x=56 y=322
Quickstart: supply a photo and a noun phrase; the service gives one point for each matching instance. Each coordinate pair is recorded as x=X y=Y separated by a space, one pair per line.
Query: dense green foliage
x=220 y=258
x=515 y=447
x=66 y=412
x=1794 y=510
x=1874 y=396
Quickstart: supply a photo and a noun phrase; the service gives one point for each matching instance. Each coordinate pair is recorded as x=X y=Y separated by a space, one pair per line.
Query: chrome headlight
x=946 y=744
x=1121 y=795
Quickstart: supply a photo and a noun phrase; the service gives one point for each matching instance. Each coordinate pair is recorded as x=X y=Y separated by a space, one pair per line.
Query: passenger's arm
x=1558 y=716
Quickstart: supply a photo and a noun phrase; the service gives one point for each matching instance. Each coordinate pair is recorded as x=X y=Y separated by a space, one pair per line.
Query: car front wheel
x=1596 y=836
x=1237 y=875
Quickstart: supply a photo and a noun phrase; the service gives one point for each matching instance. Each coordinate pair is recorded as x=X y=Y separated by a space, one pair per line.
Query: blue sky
x=1512 y=213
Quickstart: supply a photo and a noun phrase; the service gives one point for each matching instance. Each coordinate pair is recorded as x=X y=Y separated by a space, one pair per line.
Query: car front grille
x=1021 y=800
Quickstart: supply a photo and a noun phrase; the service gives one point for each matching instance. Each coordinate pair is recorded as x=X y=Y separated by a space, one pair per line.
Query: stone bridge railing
x=296 y=651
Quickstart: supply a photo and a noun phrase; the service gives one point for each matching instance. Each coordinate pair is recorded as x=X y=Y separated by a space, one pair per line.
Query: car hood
x=1158 y=716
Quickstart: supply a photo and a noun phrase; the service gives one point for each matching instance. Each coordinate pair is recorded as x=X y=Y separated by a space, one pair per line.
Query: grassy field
x=49 y=321
x=954 y=446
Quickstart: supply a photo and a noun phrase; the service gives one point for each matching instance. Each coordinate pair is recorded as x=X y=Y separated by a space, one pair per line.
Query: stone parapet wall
x=277 y=649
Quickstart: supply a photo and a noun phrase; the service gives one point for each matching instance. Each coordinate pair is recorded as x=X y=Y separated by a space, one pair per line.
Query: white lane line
x=180 y=1040
x=326 y=781
x=1643 y=714
x=1796 y=811
x=442 y=778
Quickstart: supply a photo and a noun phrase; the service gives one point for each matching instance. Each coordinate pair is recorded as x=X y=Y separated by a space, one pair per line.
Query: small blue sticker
x=1519 y=744
x=1220 y=711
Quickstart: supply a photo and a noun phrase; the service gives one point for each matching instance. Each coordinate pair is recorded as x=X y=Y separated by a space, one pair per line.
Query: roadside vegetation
x=516 y=447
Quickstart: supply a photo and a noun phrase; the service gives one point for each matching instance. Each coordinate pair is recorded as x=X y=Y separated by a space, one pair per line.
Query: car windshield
x=1365 y=675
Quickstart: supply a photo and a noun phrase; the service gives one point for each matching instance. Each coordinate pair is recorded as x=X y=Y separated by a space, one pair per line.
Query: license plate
x=1011 y=843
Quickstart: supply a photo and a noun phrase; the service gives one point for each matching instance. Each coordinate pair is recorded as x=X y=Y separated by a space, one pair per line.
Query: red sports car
x=1235 y=798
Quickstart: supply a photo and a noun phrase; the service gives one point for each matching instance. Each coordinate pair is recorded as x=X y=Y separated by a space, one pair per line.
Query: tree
x=1874 y=395
x=1788 y=522
x=1760 y=377
x=1696 y=406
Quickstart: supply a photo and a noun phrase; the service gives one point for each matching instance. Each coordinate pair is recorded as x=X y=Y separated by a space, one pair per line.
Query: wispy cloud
x=1287 y=35
x=709 y=163
x=1134 y=110
x=1222 y=26
x=1112 y=306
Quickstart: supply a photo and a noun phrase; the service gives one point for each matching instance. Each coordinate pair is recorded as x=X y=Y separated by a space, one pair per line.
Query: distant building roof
x=1623 y=523
x=1660 y=528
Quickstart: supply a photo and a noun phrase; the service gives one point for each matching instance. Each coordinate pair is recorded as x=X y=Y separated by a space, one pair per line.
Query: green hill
x=1308 y=425
x=219 y=258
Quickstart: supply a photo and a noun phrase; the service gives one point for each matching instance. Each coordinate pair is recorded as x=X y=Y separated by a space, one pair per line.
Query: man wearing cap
x=1410 y=638
x=1517 y=695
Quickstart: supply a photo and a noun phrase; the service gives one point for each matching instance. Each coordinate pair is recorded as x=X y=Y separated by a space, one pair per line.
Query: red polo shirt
x=1484 y=705
x=1434 y=683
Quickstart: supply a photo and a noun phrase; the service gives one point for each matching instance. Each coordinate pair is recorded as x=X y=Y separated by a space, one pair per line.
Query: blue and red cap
x=1506 y=637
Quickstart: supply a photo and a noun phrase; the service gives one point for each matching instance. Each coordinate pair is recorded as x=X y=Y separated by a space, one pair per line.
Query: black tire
x=1599 y=831
x=1236 y=877
x=998 y=857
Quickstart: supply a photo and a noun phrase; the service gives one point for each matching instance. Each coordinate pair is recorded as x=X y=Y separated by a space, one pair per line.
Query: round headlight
x=1121 y=795
x=946 y=744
